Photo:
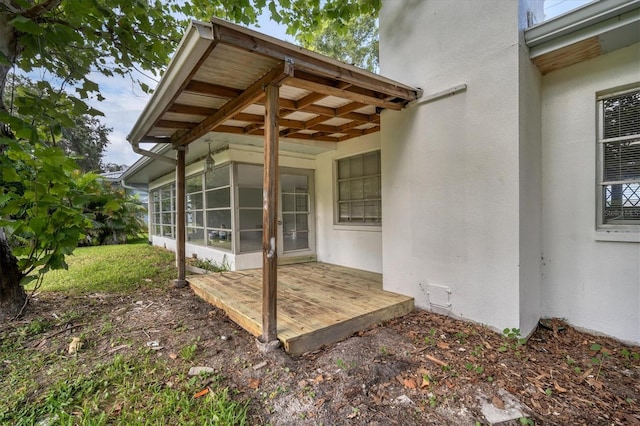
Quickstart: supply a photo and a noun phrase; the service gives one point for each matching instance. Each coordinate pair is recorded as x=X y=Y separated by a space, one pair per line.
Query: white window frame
x=375 y=224
x=623 y=226
x=171 y=211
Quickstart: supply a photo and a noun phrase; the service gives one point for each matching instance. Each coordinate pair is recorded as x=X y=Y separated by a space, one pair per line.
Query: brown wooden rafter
x=249 y=96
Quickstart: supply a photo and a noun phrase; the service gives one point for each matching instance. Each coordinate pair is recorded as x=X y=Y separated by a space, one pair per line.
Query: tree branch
x=40 y=9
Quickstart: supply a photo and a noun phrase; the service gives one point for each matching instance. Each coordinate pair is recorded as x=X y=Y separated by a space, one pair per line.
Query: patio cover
x=216 y=81
x=229 y=79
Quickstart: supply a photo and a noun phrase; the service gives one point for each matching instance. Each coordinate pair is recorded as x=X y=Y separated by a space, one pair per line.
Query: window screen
x=619 y=150
x=359 y=189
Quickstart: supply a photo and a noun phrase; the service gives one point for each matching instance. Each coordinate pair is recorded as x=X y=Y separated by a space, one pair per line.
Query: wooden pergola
x=229 y=79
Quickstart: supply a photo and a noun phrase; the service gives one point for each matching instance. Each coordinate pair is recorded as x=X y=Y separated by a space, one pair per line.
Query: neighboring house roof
x=113 y=176
x=592 y=30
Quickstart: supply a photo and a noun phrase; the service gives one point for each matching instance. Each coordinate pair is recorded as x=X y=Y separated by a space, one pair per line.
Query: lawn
x=118 y=268
x=115 y=377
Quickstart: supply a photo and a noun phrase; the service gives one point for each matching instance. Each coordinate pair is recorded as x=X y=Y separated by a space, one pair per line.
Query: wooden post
x=180 y=216
x=270 y=217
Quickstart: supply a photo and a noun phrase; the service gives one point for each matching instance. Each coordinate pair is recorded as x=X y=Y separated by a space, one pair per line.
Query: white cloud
x=124 y=101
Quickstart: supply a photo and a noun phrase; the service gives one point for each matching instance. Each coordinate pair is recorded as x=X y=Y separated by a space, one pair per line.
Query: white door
x=296 y=216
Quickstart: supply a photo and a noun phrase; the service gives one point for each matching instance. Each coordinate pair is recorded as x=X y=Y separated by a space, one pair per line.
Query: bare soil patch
x=420 y=369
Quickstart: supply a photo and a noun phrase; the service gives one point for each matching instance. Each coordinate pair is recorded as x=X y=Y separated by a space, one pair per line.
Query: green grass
x=109 y=269
x=137 y=389
x=96 y=388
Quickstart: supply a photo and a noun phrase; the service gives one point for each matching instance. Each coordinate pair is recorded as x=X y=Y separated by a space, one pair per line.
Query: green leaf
x=10 y=175
x=26 y=25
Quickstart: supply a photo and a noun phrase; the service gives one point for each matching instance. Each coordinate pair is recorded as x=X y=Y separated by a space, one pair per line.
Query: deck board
x=318 y=303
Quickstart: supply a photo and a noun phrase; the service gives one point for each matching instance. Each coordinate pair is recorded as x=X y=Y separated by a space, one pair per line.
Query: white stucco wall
x=453 y=201
x=530 y=159
x=593 y=284
x=353 y=246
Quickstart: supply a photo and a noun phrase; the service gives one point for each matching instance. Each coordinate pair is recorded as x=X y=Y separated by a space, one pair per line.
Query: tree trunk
x=12 y=294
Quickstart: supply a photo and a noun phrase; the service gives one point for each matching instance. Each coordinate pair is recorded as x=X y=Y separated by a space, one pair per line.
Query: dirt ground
x=419 y=369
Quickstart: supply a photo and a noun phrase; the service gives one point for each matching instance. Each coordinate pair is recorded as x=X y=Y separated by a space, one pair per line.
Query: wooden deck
x=318 y=303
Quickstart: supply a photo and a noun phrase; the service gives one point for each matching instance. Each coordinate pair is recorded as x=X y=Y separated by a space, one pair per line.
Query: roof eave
x=591 y=20
x=191 y=49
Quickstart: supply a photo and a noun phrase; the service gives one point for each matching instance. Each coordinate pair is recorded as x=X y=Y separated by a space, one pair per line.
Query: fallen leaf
x=423 y=371
x=497 y=402
x=254 y=383
x=173 y=355
x=319 y=379
x=410 y=383
x=425 y=382
x=201 y=393
x=320 y=402
x=442 y=345
x=595 y=383
x=559 y=388
x=352 y=415
x=75 y=345
x=116 y=409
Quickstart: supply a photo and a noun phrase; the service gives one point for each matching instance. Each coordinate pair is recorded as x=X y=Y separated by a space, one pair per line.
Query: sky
x=124 y=101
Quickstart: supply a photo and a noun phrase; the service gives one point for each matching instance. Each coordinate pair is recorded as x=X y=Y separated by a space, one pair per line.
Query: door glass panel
x=296 y=240
x=288 y=202
x=288 y=222
x=302 y=222
x=302 y=203
x=295 y=212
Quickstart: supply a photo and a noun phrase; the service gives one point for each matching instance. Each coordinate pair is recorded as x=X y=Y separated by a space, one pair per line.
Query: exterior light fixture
x=209 y=163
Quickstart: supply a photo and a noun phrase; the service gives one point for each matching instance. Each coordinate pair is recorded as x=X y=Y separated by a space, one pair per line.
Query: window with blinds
x=619 y=150
x=359 y=190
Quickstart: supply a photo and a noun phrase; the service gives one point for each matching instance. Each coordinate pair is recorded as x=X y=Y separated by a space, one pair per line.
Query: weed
x=628 y=356
x=188 y=353
x=212 y=265
x=511 y=339
x=343 y=365
x=477 y=351
x=526 y=421
x=461 y=336
x=35 y=327
x=430 y=340
x=475 y=368
x=433 y=400
x=548 y=392
x=600 y=356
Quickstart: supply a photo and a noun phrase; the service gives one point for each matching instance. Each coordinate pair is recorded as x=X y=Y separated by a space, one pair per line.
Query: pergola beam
x=249 y=96
x=215 y=90
x=367 y=98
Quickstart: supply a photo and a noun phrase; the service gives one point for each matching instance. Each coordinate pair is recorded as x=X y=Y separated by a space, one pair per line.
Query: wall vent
x=439 y=296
